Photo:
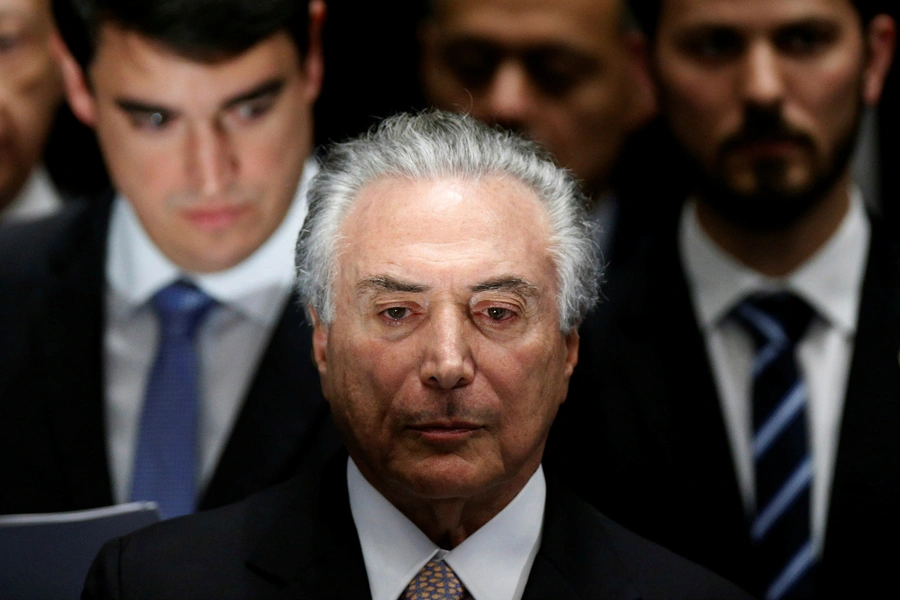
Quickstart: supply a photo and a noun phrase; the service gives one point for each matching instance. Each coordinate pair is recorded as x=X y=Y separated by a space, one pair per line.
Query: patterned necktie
x=781 y=527
x=165 y=462
x=435 y=581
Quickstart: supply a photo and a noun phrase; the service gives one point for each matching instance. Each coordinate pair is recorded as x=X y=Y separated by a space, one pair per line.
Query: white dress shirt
x=831 y=283
x=251 y=297
x=38 y=198
x=493 y=563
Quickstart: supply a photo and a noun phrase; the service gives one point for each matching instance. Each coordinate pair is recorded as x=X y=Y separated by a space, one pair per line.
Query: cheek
x=827 y=105
x=701 y=107
x=366 y=378
x=530 y=384
x=139 y=168
x=27 y=102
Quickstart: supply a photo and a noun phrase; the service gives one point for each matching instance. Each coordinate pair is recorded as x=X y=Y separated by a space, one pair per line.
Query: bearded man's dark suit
x=642 y=437
x=298 y=540
x=53 y=454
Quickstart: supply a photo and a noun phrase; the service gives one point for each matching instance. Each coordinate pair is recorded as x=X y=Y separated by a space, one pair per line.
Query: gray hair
x=439 y=145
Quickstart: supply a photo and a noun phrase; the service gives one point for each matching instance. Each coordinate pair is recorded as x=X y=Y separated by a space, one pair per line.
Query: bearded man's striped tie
x=780 y=529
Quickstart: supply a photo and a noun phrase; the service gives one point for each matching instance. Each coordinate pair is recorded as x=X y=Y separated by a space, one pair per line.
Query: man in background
x=30 y=93
x=152 y=349
x=567 y=73
x=741 y=408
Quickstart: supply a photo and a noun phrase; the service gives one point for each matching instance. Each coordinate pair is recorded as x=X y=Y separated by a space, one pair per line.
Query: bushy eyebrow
x=507 y=284
x=271 y=87
x=268 y=87
x=385 y=283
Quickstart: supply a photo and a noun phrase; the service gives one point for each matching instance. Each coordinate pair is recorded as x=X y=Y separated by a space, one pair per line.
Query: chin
x=447 y=477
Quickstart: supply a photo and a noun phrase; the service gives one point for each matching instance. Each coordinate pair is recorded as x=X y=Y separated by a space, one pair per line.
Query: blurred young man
x=154 y=349
x=744 y=396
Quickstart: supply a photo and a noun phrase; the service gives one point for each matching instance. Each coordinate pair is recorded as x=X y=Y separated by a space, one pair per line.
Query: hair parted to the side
x=438 y=145
x=203 y=30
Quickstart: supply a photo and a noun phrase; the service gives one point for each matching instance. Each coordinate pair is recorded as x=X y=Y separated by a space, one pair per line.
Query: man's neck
x=780 y=252
x=449 y=521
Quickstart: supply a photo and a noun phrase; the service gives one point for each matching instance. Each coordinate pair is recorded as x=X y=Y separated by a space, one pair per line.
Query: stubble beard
x=774 y=204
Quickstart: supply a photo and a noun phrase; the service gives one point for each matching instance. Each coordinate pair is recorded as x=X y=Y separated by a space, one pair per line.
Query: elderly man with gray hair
x=445 y=267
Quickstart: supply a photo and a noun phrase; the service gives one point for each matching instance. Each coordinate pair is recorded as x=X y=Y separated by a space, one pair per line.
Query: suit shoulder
x=198 y=556
x=604 y=549
x=27 y=249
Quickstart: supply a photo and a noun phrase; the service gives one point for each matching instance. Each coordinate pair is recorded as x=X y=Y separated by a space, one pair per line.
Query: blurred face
x=30 y=90
x=208 y=153
x=562 y=71
x=765 y=95
x=444 y=364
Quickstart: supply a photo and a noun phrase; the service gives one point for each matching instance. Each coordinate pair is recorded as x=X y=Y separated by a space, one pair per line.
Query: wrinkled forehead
x=445 y=225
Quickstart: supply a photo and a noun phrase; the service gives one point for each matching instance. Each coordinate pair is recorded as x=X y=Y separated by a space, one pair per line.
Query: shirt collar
x=137 y=269
x=38 y=198
x=830 y=280
x=493 y=563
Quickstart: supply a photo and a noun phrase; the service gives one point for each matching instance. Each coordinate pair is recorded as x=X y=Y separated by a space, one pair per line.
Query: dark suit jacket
x=53 y=453
x=299 y=541
x=643 y=411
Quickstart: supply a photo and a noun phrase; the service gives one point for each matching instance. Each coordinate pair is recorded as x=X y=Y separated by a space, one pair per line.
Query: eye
x=9 y=42
x=556 y=71
x=712 y=44
x=149 y=119
x=472 y=62
x=255 y=107
x=806 y=38
x=498 y=313
x=396 y=313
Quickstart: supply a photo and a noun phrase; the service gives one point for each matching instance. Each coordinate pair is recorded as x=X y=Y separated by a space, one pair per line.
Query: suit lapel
x=314 y=551
x=577 y=559
x=690 y=469
x=71 y=344
x=286 y=384
x=866 y=486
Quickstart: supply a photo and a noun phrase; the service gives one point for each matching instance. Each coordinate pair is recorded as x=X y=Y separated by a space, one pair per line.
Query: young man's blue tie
x=165 y=465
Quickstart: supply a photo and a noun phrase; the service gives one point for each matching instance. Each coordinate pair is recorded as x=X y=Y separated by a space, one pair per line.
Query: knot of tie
x=181 y=308
x=781 y=318
x=435 y=581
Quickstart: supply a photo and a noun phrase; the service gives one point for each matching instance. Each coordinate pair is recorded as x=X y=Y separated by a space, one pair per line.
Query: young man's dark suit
x=642 y=437
x=299 y=541
x=53 y=453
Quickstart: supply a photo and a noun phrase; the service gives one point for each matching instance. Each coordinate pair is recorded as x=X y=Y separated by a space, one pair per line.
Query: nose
x=508 y=96
x=211 y=161
x=763 y=79
x=447 y=362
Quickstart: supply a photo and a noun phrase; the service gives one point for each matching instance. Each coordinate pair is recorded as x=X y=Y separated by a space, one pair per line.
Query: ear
x=572 y=341
x=81 y=100
x=882 y=38
x=314 y=63
x=320 y=343
x=643 y=101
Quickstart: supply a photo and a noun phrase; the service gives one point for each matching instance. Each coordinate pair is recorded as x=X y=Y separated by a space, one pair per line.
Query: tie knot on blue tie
x=181 y=308
x=782 y=317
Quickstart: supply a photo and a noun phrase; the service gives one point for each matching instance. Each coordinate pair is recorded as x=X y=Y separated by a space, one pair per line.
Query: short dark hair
x=204 y=30
x=646 y=12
